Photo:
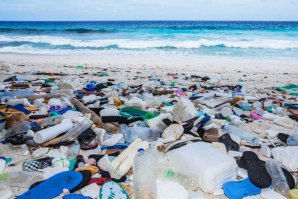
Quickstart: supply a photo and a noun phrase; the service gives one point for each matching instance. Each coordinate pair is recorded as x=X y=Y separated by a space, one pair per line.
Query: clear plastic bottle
x=144 y=133
x=73 y=133
x=241 y=133
x=293 y=139
x=279 y=182
x=144 y=176
x=49 y=121
x=187 y=181
x=17 y=129
x=73 y=150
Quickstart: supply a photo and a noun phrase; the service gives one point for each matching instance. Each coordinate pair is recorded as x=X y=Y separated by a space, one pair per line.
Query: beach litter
x=181 y=137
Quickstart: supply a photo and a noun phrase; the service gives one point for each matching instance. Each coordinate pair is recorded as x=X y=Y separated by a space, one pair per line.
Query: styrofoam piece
x=209 y=166
x=23 y=101
x=184 y=110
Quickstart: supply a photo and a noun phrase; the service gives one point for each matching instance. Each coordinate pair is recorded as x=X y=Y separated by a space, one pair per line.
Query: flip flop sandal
x=53 y=186
x=256 y=169
x=240 y=189
x=230 y=144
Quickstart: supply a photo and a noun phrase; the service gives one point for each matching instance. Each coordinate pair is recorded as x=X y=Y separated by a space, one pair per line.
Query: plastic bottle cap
x=141 y=150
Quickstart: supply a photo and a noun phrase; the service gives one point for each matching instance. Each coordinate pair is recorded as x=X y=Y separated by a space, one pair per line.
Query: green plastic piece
x=8 y=160
x=49 y=81
x=103 y=74
x=291 y=89
x=167 y=104
x=270 y=109
x=72 y=163
x=54 y=113
x=80 y=66
x=130 y=112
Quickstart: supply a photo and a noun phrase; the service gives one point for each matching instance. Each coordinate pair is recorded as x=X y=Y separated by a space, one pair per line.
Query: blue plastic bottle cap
x=141 y=150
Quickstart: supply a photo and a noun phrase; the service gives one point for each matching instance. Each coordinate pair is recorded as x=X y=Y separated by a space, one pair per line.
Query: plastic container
x=52 y=132
x=207 y=165
x=240 y=133
x=144 y=176
x=73 y=150
x=132 y=133
x=73 y=133
x=279 y=182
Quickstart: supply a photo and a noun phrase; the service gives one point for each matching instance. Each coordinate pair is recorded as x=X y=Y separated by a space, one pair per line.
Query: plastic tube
x=52 y=132
x=73 y=133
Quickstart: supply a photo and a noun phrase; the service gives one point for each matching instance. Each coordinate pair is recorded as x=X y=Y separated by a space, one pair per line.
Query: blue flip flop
x=54 y=186
x=76 y=196
x=240 y=189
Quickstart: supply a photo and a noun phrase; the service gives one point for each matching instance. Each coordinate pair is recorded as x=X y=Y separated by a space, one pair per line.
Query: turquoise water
x=212 y=38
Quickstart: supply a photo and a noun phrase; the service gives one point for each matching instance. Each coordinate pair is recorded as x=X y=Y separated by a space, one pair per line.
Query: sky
x=65 y=10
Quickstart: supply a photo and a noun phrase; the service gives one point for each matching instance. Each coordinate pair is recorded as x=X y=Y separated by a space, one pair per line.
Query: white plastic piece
x=157 y=123
x=284 y=121
x=40 y=152
x=52 y=132
x=2 y=165
x=109 y=112
x=55 y=102
x=136 y=102
x=287 y=156
x=91 y=190
x=89 y=99
x=49 y=171
x=270 y=194
x=202 y=161
x=23 y=101
x=265 y=150
x=170 y=190
x=184 y=110
x=172 y=132
x=112 y=140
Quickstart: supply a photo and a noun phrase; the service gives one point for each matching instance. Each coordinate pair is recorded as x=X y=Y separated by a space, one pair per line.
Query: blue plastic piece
x=115 y=147
x=240 y=189
x=76 y=196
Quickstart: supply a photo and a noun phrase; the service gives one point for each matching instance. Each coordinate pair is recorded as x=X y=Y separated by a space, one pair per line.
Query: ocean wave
x=53 y=41
x=39 y=31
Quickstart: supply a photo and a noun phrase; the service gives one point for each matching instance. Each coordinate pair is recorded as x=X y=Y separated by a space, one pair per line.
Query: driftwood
x=94 y=117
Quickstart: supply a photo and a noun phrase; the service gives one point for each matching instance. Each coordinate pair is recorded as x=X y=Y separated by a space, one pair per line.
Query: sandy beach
x=258 y=73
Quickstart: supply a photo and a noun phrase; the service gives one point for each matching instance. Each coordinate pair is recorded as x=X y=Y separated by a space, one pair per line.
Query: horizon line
x=148 y=20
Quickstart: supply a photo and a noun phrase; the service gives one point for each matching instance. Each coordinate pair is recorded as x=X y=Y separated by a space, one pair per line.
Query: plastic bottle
x=17 y=129
x=279 y=182
x=144 y=133
x=2 y=164
x=242 y=134
x=187 y=181
x=144 y=176
x=73 y=150
x=49 y=121
x=73 y=133
x=293 y=139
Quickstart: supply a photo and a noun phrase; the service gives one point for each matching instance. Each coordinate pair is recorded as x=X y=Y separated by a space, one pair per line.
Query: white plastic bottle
x=144 y=176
